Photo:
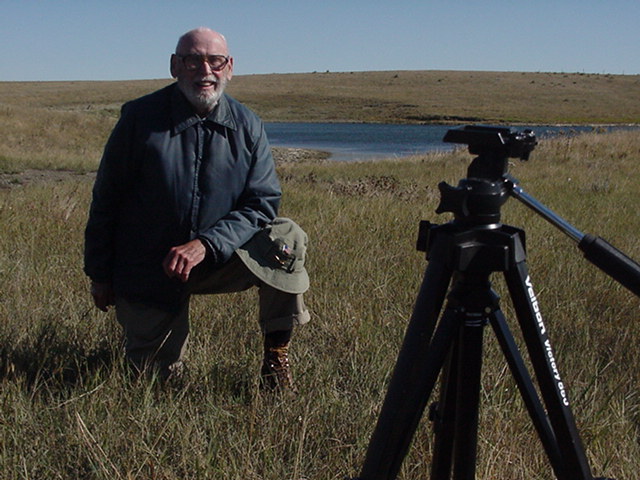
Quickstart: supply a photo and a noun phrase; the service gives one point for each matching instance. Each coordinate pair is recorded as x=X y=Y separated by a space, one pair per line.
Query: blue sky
x=132 y=39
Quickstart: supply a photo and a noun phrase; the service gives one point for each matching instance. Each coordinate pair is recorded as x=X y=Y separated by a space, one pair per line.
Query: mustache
x=207 y=79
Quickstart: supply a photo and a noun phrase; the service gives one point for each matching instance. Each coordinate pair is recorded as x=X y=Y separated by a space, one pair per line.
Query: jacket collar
x=183 y=116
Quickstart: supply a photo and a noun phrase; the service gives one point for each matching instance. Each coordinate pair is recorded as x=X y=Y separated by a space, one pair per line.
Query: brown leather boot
x=276 y=370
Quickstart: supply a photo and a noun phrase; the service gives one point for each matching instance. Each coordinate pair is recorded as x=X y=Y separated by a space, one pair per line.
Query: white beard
x=203 y=101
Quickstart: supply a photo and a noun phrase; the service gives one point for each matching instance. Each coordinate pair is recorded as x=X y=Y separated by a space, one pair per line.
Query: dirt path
x=30 y=177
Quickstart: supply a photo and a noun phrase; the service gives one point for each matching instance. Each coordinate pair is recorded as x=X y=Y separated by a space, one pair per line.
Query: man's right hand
x=103 y=295
x=181 y=259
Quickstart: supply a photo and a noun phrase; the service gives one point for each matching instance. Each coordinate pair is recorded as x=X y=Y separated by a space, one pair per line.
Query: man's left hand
x=181 y=259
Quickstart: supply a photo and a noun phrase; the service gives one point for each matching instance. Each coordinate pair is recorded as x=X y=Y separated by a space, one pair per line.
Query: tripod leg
x=554 y=394
x=443 y=416
x=468 y=401
x=456 y=422
x=527 y=390
x=414 y=376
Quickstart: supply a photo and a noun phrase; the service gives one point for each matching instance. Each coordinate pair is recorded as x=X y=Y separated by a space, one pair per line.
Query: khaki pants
x=158 y=337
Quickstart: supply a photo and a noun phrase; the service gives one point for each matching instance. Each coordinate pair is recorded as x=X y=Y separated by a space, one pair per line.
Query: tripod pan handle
x=611 y=261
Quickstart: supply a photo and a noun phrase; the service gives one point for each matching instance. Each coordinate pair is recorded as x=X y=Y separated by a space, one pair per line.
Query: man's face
x=202 y=67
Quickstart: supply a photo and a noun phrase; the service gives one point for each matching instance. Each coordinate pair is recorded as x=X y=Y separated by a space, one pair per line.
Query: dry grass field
x=443 y=97
x=69 y=411
x=63 y=125
x=385 y=97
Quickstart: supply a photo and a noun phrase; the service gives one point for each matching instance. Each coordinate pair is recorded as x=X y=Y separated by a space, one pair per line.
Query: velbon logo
x=547 y=344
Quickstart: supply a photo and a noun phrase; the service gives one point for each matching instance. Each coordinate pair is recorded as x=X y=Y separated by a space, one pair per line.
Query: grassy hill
x=443 y=96
x=389 y=96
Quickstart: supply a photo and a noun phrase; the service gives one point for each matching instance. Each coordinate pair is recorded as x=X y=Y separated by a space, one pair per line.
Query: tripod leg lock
x=424 y=230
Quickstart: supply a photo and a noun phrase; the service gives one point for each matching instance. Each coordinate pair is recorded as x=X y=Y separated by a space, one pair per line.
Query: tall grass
x=70 y=412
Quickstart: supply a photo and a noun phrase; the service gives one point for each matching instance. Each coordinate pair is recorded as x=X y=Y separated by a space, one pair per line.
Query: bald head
x=202 y=37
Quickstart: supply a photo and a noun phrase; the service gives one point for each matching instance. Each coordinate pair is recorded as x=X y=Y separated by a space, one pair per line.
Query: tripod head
x=477 y=199
x=498 y=140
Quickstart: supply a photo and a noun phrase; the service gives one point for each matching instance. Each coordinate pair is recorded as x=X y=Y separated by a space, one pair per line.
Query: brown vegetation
x=70 y=411
x=443 y=97
x=385 y=97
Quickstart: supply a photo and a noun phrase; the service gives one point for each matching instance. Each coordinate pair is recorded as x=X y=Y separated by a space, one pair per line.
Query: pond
x=363 y=141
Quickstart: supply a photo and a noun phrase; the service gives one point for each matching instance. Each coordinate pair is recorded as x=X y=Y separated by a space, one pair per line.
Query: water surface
x=363 y=141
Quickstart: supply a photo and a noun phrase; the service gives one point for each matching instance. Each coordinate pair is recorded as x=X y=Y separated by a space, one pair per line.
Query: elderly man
x=185 y=202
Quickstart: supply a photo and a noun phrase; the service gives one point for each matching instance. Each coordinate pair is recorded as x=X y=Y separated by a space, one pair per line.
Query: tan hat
x=276 y=256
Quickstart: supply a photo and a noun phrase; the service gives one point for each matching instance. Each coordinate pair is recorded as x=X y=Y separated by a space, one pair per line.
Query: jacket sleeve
x=112 y=181
x=257 y=206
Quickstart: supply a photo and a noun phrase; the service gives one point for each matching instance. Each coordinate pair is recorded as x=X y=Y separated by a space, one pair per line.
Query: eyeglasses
x=194 y=61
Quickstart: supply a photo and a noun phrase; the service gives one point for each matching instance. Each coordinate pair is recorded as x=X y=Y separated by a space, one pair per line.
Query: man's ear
x=230 y=74
x=173 y=67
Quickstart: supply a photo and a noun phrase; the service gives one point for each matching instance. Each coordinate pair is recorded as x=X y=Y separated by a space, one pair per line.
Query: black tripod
x=465 y=252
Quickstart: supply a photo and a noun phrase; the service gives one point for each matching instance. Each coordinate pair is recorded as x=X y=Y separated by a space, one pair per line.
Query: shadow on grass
x=54 y=354
x=239 y=380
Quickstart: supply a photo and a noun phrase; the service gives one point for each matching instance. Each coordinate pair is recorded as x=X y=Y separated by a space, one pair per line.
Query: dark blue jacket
x=167 y=177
